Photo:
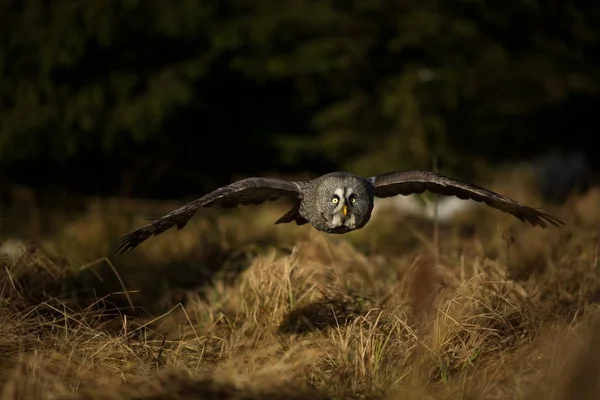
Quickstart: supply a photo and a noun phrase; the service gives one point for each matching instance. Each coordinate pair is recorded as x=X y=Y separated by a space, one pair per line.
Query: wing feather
x=249 y=191
x=416 y=182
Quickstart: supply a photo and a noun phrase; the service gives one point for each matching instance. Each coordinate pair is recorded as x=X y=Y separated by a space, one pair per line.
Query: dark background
x=166 y=99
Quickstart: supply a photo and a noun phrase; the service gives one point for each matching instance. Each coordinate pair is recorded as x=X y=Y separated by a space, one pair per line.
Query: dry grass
x=233 y=307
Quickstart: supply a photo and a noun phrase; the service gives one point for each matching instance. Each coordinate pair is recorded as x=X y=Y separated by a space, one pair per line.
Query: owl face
x=345 y=204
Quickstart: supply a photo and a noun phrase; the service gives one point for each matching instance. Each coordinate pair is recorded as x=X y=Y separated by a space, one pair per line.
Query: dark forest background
x=163 y=99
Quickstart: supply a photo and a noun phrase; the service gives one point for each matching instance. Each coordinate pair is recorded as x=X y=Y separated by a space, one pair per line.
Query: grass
x=233 y=307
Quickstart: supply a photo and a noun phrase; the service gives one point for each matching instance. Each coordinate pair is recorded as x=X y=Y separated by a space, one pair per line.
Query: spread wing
x=249 y=191
x=416 y=182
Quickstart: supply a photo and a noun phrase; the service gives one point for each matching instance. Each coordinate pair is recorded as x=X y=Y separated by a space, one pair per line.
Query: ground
x=234 y=307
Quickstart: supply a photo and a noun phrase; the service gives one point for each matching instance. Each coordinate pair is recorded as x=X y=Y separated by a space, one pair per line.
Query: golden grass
x=233 y=307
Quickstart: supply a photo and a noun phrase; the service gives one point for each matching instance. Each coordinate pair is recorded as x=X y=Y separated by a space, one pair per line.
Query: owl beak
x=345 y=210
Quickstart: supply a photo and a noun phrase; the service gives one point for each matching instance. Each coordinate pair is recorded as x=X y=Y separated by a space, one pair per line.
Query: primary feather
x=249 y=191
x=415 y=182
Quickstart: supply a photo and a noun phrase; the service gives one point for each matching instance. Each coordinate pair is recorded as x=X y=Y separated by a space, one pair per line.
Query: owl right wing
x=416 y=182
x=249 y=191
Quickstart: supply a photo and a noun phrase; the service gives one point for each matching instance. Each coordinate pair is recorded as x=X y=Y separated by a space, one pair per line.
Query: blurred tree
x=366 y=85
x=86 y=73
x=397 y=82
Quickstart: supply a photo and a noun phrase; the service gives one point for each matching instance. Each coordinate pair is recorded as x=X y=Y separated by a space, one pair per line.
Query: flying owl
x=337 y=202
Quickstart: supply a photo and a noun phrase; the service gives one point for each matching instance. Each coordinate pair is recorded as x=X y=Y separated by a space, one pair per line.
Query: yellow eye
x=335 y=199
x=353 y=200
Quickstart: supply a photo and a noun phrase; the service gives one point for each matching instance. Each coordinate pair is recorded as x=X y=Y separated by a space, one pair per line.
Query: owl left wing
x=416 y=182
x=249 y=191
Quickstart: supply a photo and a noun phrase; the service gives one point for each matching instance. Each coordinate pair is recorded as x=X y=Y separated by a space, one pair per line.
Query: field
x=234 y=307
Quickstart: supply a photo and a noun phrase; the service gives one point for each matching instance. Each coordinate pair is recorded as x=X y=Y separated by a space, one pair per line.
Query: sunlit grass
x=235 y=307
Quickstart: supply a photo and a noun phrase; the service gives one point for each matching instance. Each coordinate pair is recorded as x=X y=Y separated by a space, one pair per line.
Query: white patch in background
x=448 y=207
x=12 y=248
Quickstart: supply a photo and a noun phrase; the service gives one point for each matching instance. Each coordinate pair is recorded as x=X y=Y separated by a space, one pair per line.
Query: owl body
x=338 y=202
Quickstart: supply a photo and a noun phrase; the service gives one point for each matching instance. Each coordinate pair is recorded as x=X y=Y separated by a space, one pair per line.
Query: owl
x=337 y=202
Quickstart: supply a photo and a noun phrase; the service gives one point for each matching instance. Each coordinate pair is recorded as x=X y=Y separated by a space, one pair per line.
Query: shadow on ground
x=324 y=314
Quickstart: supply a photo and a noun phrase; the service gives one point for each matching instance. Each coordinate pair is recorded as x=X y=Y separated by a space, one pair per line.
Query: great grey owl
x=338 y=202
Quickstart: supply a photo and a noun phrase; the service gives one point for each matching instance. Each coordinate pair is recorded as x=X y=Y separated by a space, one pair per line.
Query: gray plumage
x=338 y=202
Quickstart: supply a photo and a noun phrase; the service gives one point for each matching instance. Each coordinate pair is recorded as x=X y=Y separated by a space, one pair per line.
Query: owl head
x=344 y=202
